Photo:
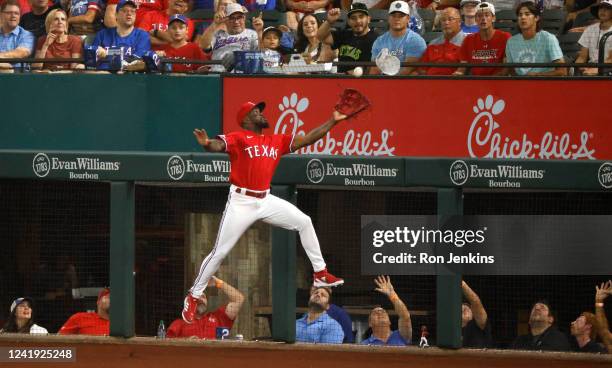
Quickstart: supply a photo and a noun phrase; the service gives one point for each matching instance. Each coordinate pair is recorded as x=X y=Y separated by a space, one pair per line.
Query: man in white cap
x=468 y=12
x=236 y=38
x=592 y=35
x=399 y=40
x=485 y=47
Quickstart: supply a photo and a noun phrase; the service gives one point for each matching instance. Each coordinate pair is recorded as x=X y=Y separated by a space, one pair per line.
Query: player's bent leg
x=236 y=219
x=281 y=213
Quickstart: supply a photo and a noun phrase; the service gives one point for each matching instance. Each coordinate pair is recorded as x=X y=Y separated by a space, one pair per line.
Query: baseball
x=358 y=71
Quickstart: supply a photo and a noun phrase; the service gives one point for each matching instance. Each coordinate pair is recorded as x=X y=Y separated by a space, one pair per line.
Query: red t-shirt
x=85 y=324
x=475 y=50
x=72 y=46
x=204 y=328
x=255 y=157
x=159 y=20
x=145 y=6
x=446 y=52
x=189 y=51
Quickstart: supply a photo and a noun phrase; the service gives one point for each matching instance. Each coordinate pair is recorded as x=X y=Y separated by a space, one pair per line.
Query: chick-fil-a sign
x=528 y=119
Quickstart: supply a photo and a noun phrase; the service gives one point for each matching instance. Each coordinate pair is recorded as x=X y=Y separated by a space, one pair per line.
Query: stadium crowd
x=133 y=34
x=325 y=322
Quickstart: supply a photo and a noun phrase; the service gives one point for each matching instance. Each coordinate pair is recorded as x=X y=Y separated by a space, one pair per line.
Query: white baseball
x=358 y=71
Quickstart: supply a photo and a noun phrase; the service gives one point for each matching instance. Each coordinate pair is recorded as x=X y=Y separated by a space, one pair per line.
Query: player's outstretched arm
x=317 y=133
x=210 y=145
x=478 y=310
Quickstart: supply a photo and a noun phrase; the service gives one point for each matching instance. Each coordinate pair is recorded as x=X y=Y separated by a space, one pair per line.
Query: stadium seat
x=339 y=24
x=430 y=36
x=584 y=19
x=429 y=17
x=511 y=28
x=569 y=45
x=507 y=15
x=553 y=21
x=378 y=19
x=271 y=18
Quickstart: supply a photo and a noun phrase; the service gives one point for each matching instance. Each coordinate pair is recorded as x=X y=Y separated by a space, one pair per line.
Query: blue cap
x=179 y=17
x=123 y=3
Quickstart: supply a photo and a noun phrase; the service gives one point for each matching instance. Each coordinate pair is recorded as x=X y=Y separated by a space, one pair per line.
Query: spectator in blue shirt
x=399 y=40
x=341 y=316
x=15 y=42
x=533 y=45
x=317 y=326
x=134 y=41
x=380 y=323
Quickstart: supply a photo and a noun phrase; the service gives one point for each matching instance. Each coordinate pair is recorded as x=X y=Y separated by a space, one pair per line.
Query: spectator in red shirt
x=445 y=49
x=90 y=323
x=57 y=43
x=156 y=23
x=205 y=324
x=486 y=46
x=142 y=8
x=179 y=48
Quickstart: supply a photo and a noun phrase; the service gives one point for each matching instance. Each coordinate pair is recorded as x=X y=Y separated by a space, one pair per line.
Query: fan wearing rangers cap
x=254 y=157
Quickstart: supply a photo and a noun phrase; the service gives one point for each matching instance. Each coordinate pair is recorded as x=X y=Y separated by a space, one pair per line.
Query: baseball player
x=254 y=157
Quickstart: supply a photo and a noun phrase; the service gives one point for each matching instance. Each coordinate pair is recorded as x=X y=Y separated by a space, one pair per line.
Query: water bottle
x=416 y=22
x=161 y=330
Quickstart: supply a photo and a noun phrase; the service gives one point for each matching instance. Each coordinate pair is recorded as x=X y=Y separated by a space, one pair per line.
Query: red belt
x=251 y=193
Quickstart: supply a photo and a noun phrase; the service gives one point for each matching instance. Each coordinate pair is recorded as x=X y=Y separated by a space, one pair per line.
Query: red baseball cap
x=105 y=291
x=246 y=108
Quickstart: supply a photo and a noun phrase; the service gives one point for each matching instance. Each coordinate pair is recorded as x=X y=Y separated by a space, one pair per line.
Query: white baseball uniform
x=254 y=158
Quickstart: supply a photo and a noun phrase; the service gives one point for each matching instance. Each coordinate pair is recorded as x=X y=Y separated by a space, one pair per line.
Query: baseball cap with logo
x=485 y=6
x=358 y=7
x=123 y=3
x=234 y=8
x=246 y=108
x=399 y=6
x=463 y=2
x=604 y=3
x=177 y=17
x=18 y=301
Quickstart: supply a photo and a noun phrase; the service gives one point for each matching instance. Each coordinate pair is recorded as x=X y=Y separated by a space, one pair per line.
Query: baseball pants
x=241 y=211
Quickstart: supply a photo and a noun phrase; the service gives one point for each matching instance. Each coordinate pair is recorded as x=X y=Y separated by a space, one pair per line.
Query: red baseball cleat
x=189 y=309
x=326 y=279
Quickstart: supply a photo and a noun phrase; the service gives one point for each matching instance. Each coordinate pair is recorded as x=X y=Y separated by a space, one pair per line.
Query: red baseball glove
x=351 y=102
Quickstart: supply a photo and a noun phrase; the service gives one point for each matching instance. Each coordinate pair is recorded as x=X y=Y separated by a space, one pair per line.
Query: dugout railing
x=449 y=179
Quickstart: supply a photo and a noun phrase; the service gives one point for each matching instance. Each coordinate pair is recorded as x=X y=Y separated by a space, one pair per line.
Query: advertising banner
x=525 y=119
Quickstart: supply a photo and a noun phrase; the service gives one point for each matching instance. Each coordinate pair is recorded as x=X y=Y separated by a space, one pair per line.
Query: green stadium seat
x=271 y=18
x=584 y=19
x=553 y=21
x=430 y=36
x=429 y=17
x=569 y=45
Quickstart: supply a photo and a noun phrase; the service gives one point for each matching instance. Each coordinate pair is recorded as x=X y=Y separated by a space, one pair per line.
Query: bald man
x=447 y=47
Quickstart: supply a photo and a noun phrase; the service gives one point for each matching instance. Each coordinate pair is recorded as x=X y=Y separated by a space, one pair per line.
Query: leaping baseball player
x=254 y=157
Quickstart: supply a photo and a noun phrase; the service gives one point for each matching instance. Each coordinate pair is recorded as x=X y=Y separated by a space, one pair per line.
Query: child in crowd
x=179 y=48
x=271 y=46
